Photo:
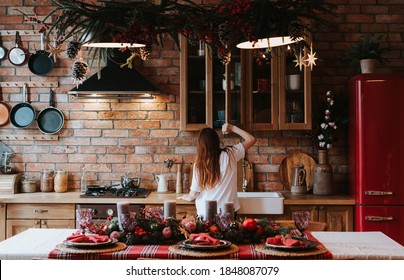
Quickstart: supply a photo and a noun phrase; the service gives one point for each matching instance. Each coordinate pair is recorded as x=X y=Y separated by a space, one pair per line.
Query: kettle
x=162 y=183
x=299 y=179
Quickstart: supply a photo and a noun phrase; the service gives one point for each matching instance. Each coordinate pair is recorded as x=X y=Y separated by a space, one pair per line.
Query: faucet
x=169 y=163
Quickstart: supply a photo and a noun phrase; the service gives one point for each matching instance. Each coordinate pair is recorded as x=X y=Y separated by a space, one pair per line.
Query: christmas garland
x=149 y=227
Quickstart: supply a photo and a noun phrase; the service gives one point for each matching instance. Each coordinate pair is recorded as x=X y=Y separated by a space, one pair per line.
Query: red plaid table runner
x=246 y=252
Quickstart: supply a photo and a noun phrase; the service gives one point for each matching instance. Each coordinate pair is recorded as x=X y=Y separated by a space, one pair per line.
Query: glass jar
x=47 y=180
x=60 y=181
x=28 y=184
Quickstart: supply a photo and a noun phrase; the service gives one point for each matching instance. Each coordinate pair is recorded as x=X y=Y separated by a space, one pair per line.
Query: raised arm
x=249 y=140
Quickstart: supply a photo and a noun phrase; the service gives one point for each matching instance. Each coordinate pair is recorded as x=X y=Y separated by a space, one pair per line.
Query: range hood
x=116 y=83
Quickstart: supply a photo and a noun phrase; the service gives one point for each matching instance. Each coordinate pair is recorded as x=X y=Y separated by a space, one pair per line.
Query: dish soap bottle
x=83 y=181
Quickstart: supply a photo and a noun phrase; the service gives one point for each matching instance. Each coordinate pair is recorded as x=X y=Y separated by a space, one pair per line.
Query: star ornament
x=54 y=51
x=311 y=59
x=299 y=61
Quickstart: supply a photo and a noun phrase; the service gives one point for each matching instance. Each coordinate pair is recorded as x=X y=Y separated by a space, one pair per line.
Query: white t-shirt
x=226 y=189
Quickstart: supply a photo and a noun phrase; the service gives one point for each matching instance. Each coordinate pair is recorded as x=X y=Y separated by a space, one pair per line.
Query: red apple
x=260 y=230
x=250 y=225
x=167 y=232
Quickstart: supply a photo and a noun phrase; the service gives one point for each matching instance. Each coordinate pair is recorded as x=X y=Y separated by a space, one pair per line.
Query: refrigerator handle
x=378 y=218
x=378 y=193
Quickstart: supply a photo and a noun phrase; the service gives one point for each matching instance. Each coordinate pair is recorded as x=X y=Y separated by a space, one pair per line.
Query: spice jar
x=60 y=181
x=47 y=180
x=28 y=184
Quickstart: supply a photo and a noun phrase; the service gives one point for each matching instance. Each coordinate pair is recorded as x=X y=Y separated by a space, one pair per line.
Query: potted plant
x=366 y=53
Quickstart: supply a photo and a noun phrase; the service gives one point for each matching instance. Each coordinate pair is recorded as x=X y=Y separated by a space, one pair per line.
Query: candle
x=229 y=208
x=169 y=209
x=122 y=208
x=211 y=209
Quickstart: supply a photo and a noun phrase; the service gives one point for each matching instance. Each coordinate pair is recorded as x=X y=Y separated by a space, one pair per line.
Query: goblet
x=128 y=221
x=302 y=220
x=83 y=217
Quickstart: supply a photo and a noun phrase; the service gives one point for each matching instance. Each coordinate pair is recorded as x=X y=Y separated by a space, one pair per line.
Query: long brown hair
x=208 y=158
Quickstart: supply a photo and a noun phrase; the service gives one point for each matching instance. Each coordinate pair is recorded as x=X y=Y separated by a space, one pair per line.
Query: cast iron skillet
x=23 y=114
x=41 y=62
x=50 y=120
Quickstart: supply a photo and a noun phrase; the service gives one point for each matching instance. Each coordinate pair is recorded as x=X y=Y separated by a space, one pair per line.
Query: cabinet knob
x=44 y=223
x=37 y=222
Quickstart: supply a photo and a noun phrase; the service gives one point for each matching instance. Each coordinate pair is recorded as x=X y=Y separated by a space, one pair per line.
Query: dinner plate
x=309 y=245
x=187 y=244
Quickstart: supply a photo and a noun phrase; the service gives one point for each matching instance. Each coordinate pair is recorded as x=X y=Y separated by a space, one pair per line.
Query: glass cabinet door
x=261 y=92
x=195 y=86
x=211 y=92
x=295 y=94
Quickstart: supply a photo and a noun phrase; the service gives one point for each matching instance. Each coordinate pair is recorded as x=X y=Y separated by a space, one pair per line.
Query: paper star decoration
x=299 y=61
x=311 y=59
x=54 y=51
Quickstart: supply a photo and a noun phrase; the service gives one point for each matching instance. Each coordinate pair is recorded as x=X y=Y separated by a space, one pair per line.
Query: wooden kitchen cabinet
x=23 y=216
x=278 y=95
x=337 y=217
x=210 y=92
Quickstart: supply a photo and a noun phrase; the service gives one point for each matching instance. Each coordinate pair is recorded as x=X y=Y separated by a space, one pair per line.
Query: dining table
x=37 y=243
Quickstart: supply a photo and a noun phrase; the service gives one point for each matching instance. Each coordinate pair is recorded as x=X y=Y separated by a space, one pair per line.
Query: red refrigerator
x=376 y=153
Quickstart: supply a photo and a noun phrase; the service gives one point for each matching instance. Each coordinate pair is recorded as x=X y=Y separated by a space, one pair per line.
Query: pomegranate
x=250 y=225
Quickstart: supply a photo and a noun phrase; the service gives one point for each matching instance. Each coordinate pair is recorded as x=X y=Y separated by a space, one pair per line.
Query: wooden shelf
x=29 y=84
x=29 y=137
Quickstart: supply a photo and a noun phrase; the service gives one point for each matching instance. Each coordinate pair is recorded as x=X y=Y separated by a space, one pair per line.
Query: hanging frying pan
x=50 y=120
x=3 y=51
x=41 y=62
x=4 y=112
x=17 y=55
x=23 y=114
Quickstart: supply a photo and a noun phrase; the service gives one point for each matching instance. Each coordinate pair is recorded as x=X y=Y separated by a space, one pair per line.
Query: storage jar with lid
x=47 y=180
x=60 y=181
x=28 y=184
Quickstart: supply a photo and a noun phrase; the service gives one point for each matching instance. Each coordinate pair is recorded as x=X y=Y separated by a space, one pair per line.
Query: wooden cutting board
x=286 y=169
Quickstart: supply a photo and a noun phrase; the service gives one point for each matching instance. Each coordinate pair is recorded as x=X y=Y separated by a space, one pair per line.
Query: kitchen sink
x=260 y=202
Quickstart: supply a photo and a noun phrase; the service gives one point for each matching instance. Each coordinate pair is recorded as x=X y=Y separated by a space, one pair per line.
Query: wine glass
x=302 y=220
x=83 y=217
x=128 y=221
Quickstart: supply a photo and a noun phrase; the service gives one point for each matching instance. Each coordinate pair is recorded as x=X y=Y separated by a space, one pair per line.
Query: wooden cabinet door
x=16 y=226
x=338 y=218
x=58 y=224
x=185 y=210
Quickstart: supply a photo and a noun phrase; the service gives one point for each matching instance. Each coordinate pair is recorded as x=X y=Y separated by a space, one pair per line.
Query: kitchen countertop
x=159 y=198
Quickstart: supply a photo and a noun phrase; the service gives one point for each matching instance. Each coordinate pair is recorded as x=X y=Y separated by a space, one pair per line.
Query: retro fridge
x=376 y=153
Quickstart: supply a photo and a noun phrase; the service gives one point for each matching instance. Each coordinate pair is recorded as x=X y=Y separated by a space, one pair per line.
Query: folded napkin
x=285 y=241
x=203 y=239
x=87 y=238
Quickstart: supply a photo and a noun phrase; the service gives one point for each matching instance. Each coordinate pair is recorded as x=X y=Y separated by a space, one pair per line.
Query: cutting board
x=245 y=170
x=286 y=169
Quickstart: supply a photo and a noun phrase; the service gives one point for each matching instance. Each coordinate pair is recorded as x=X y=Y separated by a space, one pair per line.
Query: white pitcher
x=162 y=183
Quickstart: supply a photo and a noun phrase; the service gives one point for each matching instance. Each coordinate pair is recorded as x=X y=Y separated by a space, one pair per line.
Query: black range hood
x=116 y=82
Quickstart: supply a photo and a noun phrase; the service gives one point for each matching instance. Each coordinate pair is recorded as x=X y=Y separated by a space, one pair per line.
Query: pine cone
x=79 y=70
x=224 y=32
x=73 y=49
x=296 y=30
x=145 y=52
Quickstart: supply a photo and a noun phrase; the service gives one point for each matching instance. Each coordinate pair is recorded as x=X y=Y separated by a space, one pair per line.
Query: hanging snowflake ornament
x=311 y=58
x=79 y=70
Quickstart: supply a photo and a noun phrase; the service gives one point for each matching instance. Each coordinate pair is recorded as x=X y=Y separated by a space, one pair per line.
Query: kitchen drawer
x=40 y=211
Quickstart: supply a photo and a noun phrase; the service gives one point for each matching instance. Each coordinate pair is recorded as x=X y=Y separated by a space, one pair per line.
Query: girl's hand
x=227 y=128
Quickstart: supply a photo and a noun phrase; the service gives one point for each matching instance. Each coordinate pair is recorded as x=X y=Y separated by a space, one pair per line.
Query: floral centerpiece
x=149 y=227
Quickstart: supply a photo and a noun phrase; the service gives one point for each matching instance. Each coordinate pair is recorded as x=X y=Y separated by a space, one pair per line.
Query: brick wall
x=112 y=137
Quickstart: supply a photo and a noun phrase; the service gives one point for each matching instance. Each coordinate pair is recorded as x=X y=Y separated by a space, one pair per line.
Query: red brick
x=92 y=149
x=83 y=158
x=111 y=115
x=115 y=133
x=105 y=141
x=87 y=132
x=164 y=133
x=64 y=150
x=111 y=158
x=137 y=115
x=389 y=18
x=139 y=159
x=98 y=124
x=121 y=150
